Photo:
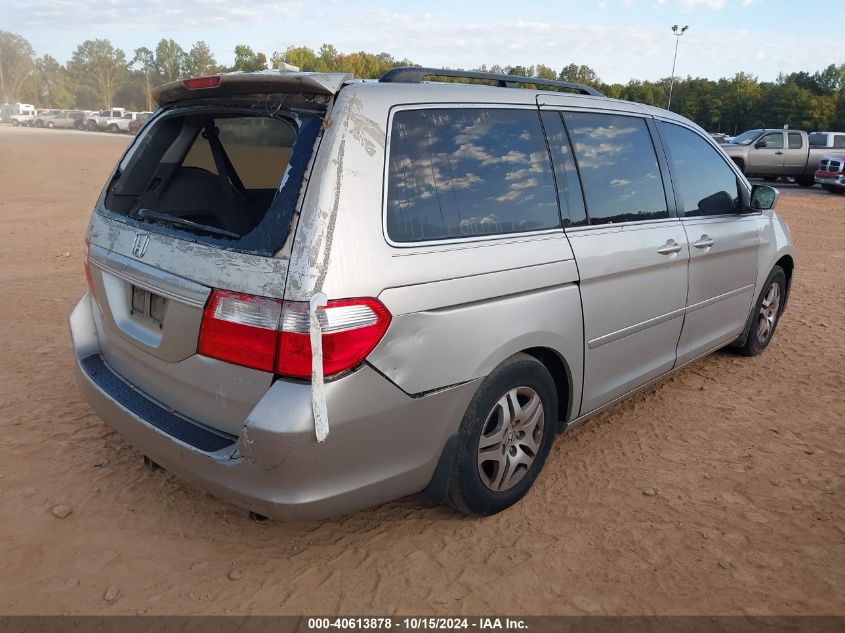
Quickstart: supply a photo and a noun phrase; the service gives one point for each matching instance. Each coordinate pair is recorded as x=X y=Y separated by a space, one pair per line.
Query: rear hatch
x=203 y=200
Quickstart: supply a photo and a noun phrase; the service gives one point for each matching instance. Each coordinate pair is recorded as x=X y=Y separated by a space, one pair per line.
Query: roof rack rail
x=414 y=75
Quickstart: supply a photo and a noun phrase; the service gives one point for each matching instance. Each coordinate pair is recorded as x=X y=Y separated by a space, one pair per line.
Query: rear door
x=795 y=158
x=632 y=255
x=724 y=242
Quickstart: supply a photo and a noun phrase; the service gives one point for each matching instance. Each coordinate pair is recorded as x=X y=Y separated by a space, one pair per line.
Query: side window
x=618 y=167
x=568 y=187
x=773 y=140
x=704 y=183
x=795 y=141
x=839 y=141
x=465 y=172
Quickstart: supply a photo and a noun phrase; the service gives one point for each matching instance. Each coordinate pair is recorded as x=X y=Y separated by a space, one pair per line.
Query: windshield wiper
x=173 y=220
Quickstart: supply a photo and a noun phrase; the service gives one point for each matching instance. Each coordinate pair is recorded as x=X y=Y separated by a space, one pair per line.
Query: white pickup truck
x=24 y=114
x=100 y=120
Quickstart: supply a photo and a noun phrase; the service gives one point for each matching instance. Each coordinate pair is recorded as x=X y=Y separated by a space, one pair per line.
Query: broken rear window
x=224 y=176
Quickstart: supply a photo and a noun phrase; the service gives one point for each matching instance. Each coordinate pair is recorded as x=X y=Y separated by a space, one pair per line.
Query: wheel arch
x=562 y=376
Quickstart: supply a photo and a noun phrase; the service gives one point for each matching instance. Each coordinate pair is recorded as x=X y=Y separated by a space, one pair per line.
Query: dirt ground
x=747 y=458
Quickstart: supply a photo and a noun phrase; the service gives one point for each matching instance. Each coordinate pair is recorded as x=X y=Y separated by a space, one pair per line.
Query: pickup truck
x=831 y=173
x=25 y=117
x=775 y=153
x=100 y=120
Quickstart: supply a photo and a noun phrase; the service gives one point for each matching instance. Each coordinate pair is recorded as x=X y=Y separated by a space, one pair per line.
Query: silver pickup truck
x=774 y=153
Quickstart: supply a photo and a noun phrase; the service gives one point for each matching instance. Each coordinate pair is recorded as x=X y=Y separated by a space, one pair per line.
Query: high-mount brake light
x=202 y=83
x=274 y=336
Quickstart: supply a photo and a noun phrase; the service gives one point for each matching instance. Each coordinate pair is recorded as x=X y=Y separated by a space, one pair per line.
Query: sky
x=619 y=39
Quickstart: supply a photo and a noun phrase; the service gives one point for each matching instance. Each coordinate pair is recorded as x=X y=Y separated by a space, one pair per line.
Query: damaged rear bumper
x=382 y=444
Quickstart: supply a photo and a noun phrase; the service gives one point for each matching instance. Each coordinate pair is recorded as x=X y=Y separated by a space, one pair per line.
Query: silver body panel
x=616 y=310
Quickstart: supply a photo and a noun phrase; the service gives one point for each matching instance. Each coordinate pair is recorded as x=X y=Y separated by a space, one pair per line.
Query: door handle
x=778 y=153
x=705 y=242
x=670 y=248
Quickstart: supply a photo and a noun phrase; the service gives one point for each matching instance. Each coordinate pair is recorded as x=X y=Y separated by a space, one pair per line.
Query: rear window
x=795 y=141
x=468 y=172
x=225 y=176
x=818 y=138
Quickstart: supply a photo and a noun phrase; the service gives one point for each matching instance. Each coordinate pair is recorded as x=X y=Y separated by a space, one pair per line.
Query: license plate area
x=147 y=306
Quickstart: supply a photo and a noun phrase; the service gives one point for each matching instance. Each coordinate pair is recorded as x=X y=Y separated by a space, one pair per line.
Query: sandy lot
x=747 y=457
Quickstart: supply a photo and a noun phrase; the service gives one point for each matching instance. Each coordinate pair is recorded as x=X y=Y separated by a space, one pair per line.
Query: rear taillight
x=87 y=263
x=202 y=83
x=351 y=330
x=274 y=336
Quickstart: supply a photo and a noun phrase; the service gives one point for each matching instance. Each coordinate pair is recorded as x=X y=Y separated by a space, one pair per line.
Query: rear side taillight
x=274 y=336
x=351 y=329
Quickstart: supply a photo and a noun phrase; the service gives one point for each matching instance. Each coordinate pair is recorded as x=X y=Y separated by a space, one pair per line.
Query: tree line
x=99 y=75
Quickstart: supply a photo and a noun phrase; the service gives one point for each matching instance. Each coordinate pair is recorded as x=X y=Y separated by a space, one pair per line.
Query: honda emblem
x=139 y=247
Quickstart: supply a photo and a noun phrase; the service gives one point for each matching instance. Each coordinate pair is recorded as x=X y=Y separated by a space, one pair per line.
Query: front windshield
x=746 y=138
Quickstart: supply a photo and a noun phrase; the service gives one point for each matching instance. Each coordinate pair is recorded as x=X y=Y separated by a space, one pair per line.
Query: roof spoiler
x=269 y=81
x=414 y=75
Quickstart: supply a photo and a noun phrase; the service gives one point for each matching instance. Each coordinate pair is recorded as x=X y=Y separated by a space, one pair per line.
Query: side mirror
x=763 y=197
x=760 y=144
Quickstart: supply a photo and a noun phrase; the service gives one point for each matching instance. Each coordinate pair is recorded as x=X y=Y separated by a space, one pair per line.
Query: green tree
x=170 y=61
x=52 y=81
x=16 y=65
x=101 y=67
x=200 y=60
x=579 y=74
x=247 y=60
x=144 y=67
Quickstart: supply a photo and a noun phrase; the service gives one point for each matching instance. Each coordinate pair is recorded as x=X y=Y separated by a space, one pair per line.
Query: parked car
x=308 y=318
x=67 y=119
x=122 y=124
x=776 y=153
x=136 y=123
x=24 y=115
x=41 y=119
x=99 y=120
x=835 y=140
x=831 y=173
x=9 y=110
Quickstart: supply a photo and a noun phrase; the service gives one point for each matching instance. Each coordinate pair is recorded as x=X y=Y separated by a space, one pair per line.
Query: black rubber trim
x=151 y=412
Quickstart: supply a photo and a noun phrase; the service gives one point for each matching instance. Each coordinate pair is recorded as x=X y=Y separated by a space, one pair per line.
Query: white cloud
x=166 y=14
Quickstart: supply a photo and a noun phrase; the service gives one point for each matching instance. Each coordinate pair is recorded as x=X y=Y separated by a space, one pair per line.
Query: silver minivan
x=310 y=294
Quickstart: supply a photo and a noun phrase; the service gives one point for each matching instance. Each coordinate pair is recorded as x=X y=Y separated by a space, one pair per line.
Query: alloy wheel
x=768 y=313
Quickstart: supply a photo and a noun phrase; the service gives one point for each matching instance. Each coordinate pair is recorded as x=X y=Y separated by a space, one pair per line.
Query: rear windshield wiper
x=173 y=220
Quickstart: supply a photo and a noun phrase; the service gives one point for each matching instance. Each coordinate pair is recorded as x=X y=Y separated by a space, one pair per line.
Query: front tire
x=504 y=438
x=832 y=189
x=50 y=125
x=766 y=314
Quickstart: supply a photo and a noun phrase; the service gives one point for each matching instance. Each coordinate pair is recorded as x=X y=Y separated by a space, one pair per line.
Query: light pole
x=677 y=33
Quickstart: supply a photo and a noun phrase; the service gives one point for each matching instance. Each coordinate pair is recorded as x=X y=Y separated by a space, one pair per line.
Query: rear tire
x=806 y=181
x=112 y=128
x=39 y=124
x=51 y=125
x=504 y=438
x=92 y=126
x=766 y=313
x=770 y=178
x=15 y=123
